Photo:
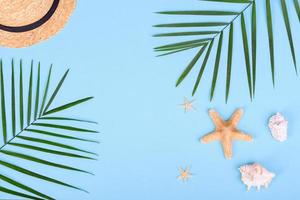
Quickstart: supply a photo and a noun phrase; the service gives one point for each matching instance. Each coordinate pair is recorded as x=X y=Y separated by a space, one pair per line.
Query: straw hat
x=27 y=22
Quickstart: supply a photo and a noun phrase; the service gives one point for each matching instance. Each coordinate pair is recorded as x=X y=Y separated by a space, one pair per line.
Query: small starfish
x=226 y=131
x=185 y=174
x=188 y=105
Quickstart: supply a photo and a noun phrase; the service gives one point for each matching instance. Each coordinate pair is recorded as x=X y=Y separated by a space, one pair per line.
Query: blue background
x=145 y=134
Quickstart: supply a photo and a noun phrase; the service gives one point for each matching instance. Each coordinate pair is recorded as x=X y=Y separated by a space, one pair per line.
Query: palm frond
x=214 y=29
x=39 y=121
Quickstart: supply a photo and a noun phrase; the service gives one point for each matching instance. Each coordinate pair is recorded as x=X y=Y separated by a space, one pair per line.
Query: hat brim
x=44 y=31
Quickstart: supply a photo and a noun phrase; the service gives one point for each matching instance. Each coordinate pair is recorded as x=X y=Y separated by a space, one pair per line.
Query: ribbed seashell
x=278 y=126
x=254 y=175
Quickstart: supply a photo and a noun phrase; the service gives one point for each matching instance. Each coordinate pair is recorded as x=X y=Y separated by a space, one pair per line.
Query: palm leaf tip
x=216 y=68
x=68 y=105
x=3 y=107
x=190 y=66
x=246 y=54
x=229 y=61
x=297 y=7
x=254 y=41
x=60 y=83
x=271 y=38
x=203 y=66
x=289 y=32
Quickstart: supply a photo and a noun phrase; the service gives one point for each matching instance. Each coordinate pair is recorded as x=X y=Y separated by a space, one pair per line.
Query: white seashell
x=255 y=176
x=278 y=126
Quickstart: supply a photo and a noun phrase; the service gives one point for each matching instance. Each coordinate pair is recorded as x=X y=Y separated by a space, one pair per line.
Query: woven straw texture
x=24 y=12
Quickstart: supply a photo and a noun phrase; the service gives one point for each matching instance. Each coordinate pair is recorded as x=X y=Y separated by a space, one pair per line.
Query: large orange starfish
x=226 y=131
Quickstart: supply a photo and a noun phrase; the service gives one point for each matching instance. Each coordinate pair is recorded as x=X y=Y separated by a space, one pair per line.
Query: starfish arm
x=210 y=137
x=236 y=117
x=242 y=136
x=180 y=169
x=185 y=110
x=227 y=148
x=218 y=121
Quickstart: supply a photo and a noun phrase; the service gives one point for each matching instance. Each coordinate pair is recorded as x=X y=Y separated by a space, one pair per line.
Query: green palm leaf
x=24 y=187
x=39 y=122
x=29 y=96
x=297 y=7
x=216 y=68
x=190 y=66
x=214 y=28
x=19 y=194
x=53 y=134
x=271 y=40
x=289 y=31
x=21 y=97
x=229 y=61
x=13 y=99
x=246 y=53
x=253 y=36
x=3 y=109
x=203 y=67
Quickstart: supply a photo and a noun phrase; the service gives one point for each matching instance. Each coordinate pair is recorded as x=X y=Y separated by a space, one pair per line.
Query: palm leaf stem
x=16 y=135
x=238 y=15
